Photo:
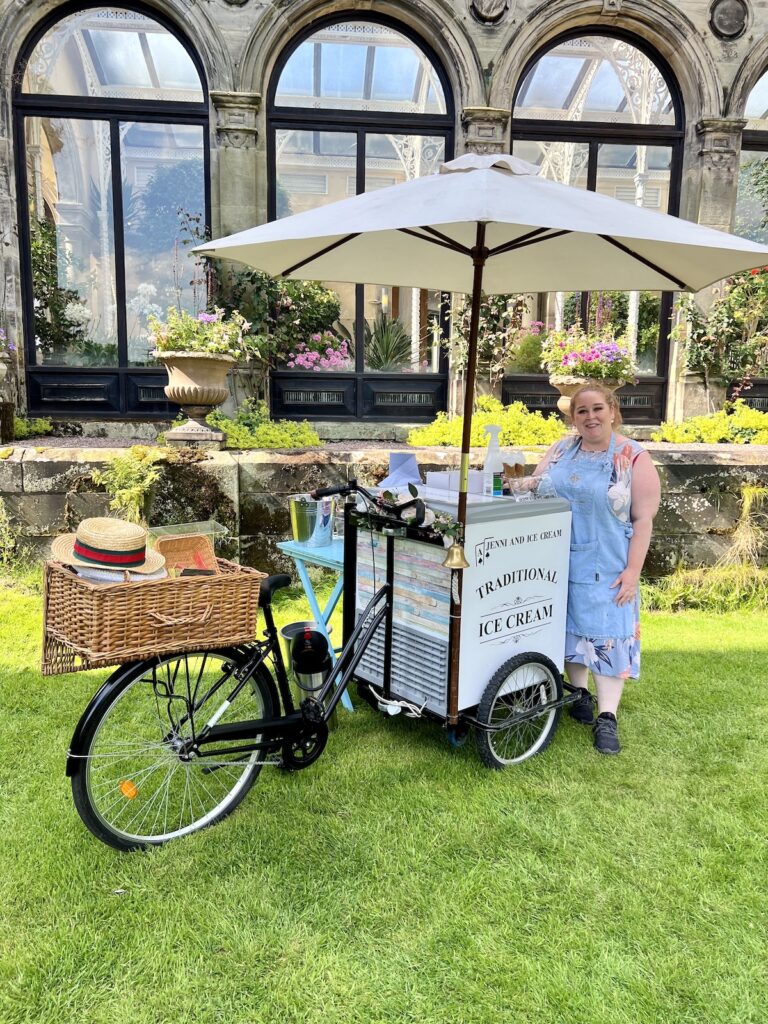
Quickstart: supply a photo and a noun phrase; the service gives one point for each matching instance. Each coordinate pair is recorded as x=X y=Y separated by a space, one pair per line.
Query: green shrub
x=526 y=357
x=738 y=423
x=23 y=428
x=518 y=426
x=733 y=588
x=129 y=479
x=252 y=428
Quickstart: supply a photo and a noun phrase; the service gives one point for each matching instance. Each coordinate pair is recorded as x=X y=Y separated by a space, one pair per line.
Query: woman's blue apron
x=599 y=546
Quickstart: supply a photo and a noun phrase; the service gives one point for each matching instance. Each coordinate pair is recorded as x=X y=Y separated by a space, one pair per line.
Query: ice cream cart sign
x=514 y=595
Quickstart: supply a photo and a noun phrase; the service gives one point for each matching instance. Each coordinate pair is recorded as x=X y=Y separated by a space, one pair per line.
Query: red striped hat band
x=102 y=556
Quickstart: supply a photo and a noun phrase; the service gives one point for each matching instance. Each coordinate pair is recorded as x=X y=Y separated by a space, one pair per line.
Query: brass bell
x=454 y=557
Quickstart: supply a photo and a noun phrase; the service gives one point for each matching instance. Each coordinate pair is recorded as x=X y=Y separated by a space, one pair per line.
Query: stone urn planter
x=197 y=381
x=569 y=385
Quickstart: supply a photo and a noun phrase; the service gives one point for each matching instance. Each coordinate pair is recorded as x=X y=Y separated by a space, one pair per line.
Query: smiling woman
x=614 y=491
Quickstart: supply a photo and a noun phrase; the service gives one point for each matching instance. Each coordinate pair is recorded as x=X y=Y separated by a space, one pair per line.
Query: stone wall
x=48 y=491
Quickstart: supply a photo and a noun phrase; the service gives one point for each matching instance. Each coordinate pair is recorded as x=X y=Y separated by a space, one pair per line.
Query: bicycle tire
x=519 y=686
x=134 y=789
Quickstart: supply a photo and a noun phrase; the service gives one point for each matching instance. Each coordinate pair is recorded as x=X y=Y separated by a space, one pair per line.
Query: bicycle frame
x=313 y=711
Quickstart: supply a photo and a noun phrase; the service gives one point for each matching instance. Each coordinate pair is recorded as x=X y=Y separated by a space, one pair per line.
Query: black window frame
x=117 y=389
x=644 y=402
x=360 y=387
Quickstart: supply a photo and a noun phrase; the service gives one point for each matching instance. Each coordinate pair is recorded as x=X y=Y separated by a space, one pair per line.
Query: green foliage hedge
x=23 y=428
x=252 y=428
x=737 y=423
x=518 y=426
x=733 y=588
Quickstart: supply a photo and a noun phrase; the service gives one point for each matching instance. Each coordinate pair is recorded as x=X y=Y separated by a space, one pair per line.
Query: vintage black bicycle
x=173 y=744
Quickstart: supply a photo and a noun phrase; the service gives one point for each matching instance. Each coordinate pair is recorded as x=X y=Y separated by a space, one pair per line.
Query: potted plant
x=198 y=351
x=572 y=357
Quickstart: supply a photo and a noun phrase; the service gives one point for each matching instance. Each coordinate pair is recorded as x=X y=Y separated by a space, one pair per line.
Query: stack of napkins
x=117 y=575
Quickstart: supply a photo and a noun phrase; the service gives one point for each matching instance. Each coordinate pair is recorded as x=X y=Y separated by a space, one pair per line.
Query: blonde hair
x=608 y=396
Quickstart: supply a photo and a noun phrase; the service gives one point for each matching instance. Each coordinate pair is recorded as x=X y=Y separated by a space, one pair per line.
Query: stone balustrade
x=48 y=491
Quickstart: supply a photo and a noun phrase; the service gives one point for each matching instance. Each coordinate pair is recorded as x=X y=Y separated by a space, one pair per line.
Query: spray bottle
x=493 y=467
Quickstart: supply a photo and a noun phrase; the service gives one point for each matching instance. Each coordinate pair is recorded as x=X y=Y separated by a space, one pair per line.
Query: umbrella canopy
x=540 y=236
x=489 y=223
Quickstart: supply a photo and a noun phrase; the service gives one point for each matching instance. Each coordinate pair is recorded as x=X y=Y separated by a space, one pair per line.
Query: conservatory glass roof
x=595 y=78
x=109 y=52
x=358 y=65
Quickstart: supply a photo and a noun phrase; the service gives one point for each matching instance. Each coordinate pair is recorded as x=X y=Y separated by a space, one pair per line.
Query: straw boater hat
x=107 y=544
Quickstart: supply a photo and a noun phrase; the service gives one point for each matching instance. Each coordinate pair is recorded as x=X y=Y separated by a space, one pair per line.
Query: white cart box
x=514 y=597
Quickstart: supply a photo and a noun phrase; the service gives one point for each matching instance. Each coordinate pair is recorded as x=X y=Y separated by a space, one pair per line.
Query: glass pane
x=163 y=211
x=752 y=197
x=312 y=168
x=315 y=323
x=756 y=110
x=565 y=162
x=71 y=241
x=399 y=332
x=639 y=175
x=111 y=52
x=596 y=78
x=358 y=65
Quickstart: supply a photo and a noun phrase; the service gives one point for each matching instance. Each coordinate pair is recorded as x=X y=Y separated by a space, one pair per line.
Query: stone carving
x=728 y=18
x=485 y=129
x=236 y=118
x=489 y=12
x=612 y=6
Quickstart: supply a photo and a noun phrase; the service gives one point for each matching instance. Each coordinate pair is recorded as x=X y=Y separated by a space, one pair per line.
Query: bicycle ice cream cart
x=173 y=743
x=512 y=635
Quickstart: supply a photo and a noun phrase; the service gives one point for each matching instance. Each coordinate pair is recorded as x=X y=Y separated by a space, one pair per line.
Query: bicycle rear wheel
x=517 y=701
x=138 y=786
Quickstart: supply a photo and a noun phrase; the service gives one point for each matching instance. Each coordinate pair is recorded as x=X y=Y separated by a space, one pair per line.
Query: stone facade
x=484 y=46
x=47 y=492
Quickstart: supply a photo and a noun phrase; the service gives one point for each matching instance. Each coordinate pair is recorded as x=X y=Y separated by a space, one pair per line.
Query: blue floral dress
x=599 y=634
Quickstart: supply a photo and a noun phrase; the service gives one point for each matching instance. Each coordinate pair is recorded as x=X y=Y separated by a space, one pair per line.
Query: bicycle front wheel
x=139 y=786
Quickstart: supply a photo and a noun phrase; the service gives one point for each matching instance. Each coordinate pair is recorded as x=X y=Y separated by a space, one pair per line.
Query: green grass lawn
x=397 y=879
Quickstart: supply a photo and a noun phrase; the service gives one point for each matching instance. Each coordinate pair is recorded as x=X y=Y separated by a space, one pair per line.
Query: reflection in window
x=162 y=175
x=363 y=66
x=71 y=241
x=596 y=78
x=109 y=52
x=360 y=65
x=91 y=300
x=751 y=220
x=599 y=79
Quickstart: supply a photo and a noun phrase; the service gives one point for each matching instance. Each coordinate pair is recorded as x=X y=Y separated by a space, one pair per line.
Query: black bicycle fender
x=75 y=759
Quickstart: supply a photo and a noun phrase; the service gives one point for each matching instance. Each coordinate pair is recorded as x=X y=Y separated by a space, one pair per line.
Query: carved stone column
x=485 y=129
x=719 y=151
x=237 y=171
x=718 y=166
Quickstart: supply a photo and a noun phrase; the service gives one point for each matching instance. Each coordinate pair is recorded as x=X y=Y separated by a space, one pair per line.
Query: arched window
x=599 y=113
x=111 y=112
x=751 y=218
x=357 y=105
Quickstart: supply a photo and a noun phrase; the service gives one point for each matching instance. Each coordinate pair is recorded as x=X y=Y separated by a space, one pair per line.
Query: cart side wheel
x=522 y=685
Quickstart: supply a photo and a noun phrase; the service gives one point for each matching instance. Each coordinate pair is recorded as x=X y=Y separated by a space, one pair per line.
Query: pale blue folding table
x=330 y=556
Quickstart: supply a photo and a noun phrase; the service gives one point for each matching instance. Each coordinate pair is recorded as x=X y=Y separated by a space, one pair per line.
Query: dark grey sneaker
x=582 y=710
x=606 y=734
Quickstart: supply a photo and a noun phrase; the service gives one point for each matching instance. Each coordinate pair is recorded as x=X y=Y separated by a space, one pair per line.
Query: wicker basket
x=89 y=625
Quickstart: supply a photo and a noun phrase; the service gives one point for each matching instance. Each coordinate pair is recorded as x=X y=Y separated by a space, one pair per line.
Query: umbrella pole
x=479 y=256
